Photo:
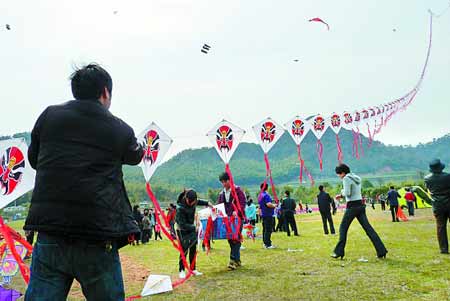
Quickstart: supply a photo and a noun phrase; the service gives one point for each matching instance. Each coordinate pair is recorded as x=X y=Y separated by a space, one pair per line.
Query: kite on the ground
x=267 y=133
x=297 y=128
x=321 y=21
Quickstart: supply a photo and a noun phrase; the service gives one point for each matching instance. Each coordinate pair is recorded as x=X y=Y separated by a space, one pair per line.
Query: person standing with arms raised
x=79 y=204
x=355 y=209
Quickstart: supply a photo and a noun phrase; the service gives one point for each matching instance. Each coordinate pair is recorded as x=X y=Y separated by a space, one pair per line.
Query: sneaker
x=196 y=273
x=232 y=265
x=238 y=263
x=182 y=274
x=271 y=247
x=242 y=248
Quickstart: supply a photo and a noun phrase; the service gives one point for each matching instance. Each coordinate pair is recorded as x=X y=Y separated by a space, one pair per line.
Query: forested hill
x=199 y=168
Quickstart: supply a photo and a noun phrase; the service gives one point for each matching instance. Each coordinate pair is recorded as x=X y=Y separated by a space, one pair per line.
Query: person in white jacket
x=355 y=209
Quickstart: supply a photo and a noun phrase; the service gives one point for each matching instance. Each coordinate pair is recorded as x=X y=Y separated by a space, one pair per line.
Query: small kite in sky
x=296 y=60
x=321 y=21
x=8 y=27
x=115 y=12
x=205 y=48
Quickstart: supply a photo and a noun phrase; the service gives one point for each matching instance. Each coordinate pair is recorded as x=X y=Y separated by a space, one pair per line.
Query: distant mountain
x=200 y=168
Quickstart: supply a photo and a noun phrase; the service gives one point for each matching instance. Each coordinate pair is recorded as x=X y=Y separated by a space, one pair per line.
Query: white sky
x=152 y=50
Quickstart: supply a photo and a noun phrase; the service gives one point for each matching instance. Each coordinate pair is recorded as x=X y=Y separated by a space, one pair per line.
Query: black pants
x=267 y=223
x=357 y=211
x=274 y=222
x=289 y=220
x=394 y=210
x=442 y=215
x=410 y=208
x=158 y=234
x=146 y=234
x=189 y=245
x=326 y=216
x=383 y=206
x=280 y=226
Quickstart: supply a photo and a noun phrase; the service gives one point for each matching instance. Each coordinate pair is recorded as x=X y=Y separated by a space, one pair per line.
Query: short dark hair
x=191 y=195
x=392 y=187
x=288 y=193
x=90 y=81
x=263 y=186
x=224 y=177
x=342 y=168
x=320 y=187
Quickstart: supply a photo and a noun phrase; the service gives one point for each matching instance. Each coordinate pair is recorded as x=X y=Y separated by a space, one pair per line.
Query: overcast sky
x=373 y=53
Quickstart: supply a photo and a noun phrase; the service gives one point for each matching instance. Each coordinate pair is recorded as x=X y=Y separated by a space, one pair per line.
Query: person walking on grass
x=232 y=209
x=409 y=197
x=146 y=227
x=438 y=184
x=326 y=203
x=355 y=209
x=392 y=198
x=288 y=206
x=267 y=210
x=138 y=218
x=79 y=205
x=186 y=229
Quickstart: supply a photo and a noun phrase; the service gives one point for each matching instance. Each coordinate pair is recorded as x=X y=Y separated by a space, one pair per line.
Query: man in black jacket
x=79 y=204
x=325 y=203
x=438 y=184
x=288 y=208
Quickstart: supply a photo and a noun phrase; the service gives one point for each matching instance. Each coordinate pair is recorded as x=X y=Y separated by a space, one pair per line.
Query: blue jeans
x=57 y=261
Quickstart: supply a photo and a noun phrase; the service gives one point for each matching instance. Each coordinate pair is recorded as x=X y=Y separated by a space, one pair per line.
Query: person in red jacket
x=409 y=196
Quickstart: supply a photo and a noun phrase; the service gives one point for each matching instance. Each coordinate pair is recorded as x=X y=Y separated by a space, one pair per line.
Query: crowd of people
x=78 y=149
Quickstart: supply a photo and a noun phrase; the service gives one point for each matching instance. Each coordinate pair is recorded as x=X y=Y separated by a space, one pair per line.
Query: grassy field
x=413 y=270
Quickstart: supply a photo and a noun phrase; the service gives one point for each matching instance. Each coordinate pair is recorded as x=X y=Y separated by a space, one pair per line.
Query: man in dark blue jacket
x=392 y=198
x=325 y=203
x=79 y=204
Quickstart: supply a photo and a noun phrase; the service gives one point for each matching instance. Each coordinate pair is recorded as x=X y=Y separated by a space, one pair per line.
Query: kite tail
x=319 y=148
x=355 y=144
x=308 y=174
x=269 y=173
x=302 y=163
x=176 y=243
x=369 y=144
x=24 y=270
x=208 y=234
x=339 y=149
x=234 y=193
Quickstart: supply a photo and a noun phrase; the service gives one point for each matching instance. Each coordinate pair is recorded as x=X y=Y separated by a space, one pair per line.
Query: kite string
x=319 y=148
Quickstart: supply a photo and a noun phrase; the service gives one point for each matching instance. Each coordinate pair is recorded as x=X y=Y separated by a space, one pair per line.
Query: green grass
x=413 y=270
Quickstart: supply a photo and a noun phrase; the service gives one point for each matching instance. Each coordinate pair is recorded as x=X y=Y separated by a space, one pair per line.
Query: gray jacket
x=352 y=188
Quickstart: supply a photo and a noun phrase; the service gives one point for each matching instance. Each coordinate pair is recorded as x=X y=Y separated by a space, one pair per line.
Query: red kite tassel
x=236 y=203
x=302 y=163
x=309 y=176
x=320 y=153
x=339 y=149
x=269 y=173
x=8 y=236
x=176 y=243
x=355 y=145
x=208 y=234
x=370 y=136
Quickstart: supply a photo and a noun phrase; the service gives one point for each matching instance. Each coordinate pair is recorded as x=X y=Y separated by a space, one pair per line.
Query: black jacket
x=78 y=149
x=439 y=186
x=288 y=205
x=324 y=201
x=185 y=215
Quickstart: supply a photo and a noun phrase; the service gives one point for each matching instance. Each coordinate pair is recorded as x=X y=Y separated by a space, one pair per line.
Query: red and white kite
x=319 y=20
x=336 y=125
x=225 y=137
x=156 y=144
x=267 y=133
x=357 y=139
x=16 y=174
x=298 y=128
x=319 y=126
